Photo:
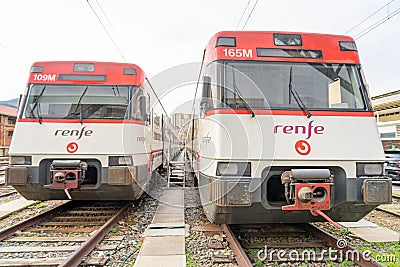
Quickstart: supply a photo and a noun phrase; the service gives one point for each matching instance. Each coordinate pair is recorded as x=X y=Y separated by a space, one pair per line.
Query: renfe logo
x=72 y=147
x=77 y=133
x=302 y=147
x=308 y=130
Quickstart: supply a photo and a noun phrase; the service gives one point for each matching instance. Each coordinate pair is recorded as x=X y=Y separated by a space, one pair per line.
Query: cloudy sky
x=158 y=35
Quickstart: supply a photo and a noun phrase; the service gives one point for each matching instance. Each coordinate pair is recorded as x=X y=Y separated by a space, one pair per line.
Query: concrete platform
x=396 y=187
x=15 y=205
x=167 y=229
x=376 y=234
x=167 y=218
x=163 y=246
x=161 y=261
x=359 y=224
x=164 y=243
x=168 y=209
x=173 y=198
x=371 y=232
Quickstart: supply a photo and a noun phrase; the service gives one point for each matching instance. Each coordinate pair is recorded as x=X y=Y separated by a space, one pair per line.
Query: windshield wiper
x=240 y=95
x=80 y=105
x=37 y=104
x=296 y=96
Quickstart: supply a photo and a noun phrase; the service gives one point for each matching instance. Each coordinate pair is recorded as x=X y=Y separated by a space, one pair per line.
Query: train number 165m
x=237 y=52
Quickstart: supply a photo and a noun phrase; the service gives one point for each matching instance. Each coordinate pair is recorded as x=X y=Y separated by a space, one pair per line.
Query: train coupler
x=66 y=174
x=308 y=189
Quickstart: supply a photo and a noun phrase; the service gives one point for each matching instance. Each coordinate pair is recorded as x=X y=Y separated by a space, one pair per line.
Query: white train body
x=85 y=137
x=286 y=131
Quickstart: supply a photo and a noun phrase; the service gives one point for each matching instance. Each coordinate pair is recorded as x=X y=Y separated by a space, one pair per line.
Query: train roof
x=282 y=46
x=86 y=72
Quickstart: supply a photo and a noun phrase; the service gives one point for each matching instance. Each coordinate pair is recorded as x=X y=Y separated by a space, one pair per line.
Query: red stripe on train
x=292 y=112
x=84 y=121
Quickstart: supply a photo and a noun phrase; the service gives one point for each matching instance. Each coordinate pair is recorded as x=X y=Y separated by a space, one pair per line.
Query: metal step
x=176 y=173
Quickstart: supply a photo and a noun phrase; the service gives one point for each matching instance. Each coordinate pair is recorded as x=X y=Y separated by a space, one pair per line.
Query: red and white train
x=86 y=131
x=286 y=130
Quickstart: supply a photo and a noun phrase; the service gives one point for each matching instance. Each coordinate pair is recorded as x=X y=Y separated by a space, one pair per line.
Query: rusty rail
x=240 y=256
x=9 y=231
x=332 y=241
x=4 y=161
x=388 y=211
x=76 y=257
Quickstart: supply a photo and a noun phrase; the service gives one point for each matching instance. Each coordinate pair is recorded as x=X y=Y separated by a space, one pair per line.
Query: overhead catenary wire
x=198 y=82
x=376 y=25
x=105 y=15
x=158 y=99
x=251 y=12
x=108 y=33
x=109 y=21
x=364 y=20
x=244 y=11
x=14 y=53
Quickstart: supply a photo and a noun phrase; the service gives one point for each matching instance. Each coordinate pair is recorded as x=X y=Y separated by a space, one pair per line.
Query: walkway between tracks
x=15 y=205
x=164 y=243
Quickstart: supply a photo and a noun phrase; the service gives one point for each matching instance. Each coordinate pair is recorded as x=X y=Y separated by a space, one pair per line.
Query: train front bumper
x=245 y=200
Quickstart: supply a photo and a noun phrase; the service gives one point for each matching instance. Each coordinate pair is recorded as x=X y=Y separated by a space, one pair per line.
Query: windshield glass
x=77 y=101
x=319 y=85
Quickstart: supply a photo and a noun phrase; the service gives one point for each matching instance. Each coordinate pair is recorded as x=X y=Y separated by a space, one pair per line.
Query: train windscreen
x=77 y=101
x=276 y=85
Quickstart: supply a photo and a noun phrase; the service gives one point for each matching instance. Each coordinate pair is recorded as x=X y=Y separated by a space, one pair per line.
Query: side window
x=206 y=96
x=148 y=108
x=136 y=107
x=157 y=131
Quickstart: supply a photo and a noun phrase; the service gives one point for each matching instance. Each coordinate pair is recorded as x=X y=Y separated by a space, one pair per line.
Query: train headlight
x=234 y=169
x=369 y=169
x=120 y=161
x=21 y=160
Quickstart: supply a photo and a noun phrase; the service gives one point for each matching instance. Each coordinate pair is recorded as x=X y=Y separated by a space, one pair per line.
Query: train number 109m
x=44 y=77
x=237 y=52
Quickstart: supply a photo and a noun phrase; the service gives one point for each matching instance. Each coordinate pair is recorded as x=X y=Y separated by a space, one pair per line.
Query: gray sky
x=158 y=35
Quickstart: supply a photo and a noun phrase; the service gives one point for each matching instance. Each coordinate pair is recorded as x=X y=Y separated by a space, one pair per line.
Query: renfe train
x=85 y=131
x=286 y=131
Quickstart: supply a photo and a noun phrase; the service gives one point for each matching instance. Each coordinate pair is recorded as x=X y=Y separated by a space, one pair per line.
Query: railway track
x=63 y=236
x=396 y=213
x=396 y=199
x=3 y=164
x=276 y=244
x=6 y=191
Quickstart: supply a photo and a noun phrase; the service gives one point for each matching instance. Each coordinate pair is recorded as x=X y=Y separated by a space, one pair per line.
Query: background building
x=181 y=122
x=8 y=118
x=387 y=113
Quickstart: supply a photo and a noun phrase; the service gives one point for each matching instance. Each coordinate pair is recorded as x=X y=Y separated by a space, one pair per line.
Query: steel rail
x=76 y=257
x=240 y=256
x=388 y=211
x=9 y=231
x=332 y=241
x=8 y=194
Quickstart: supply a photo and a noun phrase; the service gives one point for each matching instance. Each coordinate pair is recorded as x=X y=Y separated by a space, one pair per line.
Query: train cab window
x=320 y=86
x=77 y=101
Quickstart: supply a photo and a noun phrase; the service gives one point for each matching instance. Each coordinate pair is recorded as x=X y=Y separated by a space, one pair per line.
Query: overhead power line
x=364 y=20
x=105 y=15
x=376 y=25
x=105 y=29
x=244 y=11
x=15 y=53
x=251 y=12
